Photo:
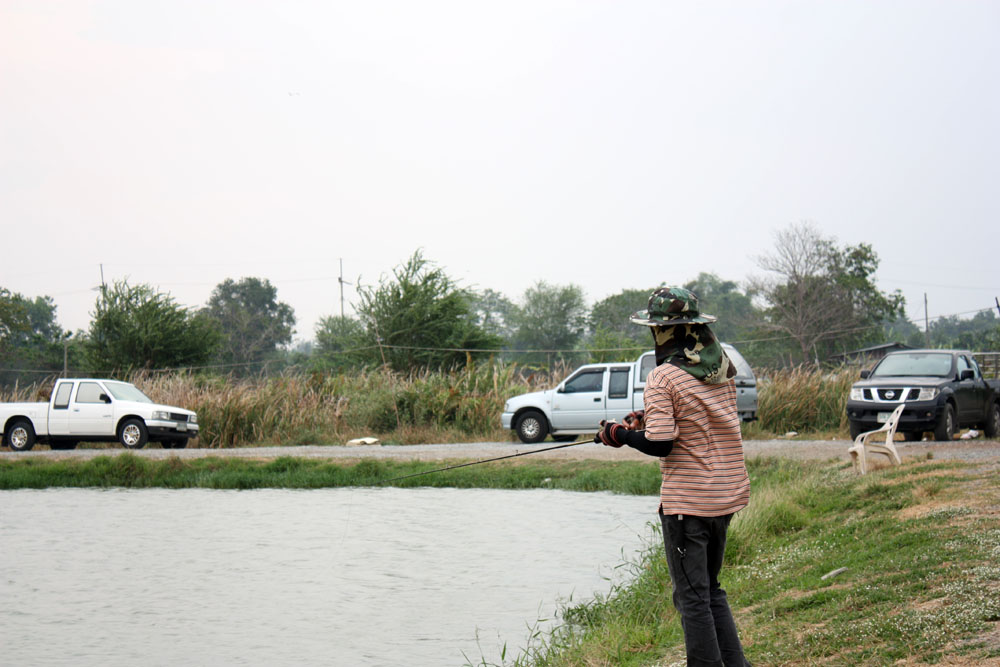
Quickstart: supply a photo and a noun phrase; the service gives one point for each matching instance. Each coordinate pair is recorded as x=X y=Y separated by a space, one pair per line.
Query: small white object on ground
x=970 y=434
x=791 y=434
x=357 y=442
x=834 y=573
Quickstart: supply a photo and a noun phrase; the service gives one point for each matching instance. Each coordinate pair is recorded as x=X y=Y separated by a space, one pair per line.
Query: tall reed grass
x=804 y=399
x=323 y=409
x=427 y=405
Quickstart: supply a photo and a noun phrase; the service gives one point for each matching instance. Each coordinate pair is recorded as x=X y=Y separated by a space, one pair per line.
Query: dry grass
x=456 y=406
x=804 y=399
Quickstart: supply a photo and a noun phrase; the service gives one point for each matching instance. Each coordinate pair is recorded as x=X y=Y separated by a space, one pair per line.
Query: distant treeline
x=817 y=300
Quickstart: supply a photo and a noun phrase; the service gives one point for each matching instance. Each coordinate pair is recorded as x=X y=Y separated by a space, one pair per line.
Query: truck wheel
x=945 y=429
x=132 y=434
x=992 y=426
x=856 y=430
x=20 y=437
x=531 y=427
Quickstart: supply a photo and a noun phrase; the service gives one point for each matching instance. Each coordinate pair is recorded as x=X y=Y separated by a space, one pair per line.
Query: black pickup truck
x=944 y=390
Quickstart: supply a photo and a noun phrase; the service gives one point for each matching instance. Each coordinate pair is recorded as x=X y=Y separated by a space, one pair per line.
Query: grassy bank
x=920 y=543
x=130 y=471
x=458 y=406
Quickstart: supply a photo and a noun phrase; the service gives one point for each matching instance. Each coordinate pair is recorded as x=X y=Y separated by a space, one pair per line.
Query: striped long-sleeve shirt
x=705 y=473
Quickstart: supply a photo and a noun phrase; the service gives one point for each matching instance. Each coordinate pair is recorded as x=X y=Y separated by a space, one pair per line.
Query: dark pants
x=695 y=546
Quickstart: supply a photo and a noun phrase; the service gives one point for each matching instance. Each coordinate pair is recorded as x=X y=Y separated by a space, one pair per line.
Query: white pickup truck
x=594 y=392
x=90 y=410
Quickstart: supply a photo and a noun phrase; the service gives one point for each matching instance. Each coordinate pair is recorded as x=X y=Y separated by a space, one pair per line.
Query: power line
x=921 y=284
x=831 y=334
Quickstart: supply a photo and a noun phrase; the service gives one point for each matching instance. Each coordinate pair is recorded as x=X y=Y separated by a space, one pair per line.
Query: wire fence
x=538 y=359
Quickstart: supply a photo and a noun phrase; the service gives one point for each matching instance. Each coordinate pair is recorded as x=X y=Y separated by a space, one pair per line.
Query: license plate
x=181 y=426
x=883 y=417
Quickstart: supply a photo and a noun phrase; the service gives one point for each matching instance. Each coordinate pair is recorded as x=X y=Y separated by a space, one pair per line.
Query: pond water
x=323 y=577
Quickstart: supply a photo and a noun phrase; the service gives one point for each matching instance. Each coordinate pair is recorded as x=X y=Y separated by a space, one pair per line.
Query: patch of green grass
x=921 y=544
x=131 y=471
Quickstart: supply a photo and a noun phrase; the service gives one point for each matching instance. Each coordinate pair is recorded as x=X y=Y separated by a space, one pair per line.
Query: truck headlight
x=857 y=394
x=193 y=419
x=160 y=414
x=928 y=393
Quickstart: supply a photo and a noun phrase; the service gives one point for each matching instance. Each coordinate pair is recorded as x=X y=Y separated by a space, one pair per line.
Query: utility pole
x=342 y=283
x=927 y=325
x=103 y=288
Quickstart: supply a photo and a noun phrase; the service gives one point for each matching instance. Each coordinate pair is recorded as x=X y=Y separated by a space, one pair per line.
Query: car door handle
x=76 y=409
x=597 y=400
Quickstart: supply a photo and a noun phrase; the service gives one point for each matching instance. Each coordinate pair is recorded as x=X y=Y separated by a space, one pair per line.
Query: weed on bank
x=921 y=548
x=130 y=471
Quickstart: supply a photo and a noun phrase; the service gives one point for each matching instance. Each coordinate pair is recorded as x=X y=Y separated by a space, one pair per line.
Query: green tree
x=612 y=337
x=611 y=314
x=492 y=312
x=254 y=323
x=550 y=317
x=135 y=327
x=902 y=330
x=14 y=322
x=30 y=337
x=737 y=317
x=824 y=298
x=421 y=318
x=977 y=333
x=342 y=342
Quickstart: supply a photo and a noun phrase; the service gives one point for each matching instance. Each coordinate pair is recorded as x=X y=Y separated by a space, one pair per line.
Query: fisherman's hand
x=635 y=421
x=610 y=434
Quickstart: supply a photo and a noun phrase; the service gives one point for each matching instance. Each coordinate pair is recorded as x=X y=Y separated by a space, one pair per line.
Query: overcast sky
x=613 y=145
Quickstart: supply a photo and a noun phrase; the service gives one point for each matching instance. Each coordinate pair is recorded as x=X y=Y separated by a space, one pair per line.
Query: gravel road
x=969 y=450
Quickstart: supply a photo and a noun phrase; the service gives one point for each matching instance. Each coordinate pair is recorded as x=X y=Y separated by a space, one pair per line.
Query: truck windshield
x=938 y=365
x=124 y=391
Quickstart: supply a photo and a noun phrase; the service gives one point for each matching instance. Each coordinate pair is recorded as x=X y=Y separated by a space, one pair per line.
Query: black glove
x=611 y=434
x=636 y=421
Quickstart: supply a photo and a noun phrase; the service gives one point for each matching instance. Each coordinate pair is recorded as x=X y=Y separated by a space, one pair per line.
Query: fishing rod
x=473 y=463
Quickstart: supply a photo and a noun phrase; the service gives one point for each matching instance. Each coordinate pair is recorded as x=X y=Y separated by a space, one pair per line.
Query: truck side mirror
x=865 y=374
x=104 y=398
x=967 y=374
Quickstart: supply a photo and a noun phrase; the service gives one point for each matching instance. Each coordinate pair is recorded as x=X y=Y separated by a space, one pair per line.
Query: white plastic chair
x=873 y=442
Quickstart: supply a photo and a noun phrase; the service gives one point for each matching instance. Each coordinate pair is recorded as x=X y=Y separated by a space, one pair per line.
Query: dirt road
x=970 y=450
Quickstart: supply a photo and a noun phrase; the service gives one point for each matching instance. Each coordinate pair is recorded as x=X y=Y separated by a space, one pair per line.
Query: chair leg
x=858 y=458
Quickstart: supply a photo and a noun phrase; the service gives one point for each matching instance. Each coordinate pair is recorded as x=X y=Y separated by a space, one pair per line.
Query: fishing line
x=473 y=463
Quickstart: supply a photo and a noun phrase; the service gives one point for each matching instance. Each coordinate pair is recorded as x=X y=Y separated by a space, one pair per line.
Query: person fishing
x=689 y=421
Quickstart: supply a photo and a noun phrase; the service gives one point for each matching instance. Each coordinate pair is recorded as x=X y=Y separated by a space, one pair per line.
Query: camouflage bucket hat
x=669 y=306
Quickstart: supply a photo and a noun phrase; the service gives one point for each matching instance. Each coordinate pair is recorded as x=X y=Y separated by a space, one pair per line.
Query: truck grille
x=178 y=417
x=896 y=394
